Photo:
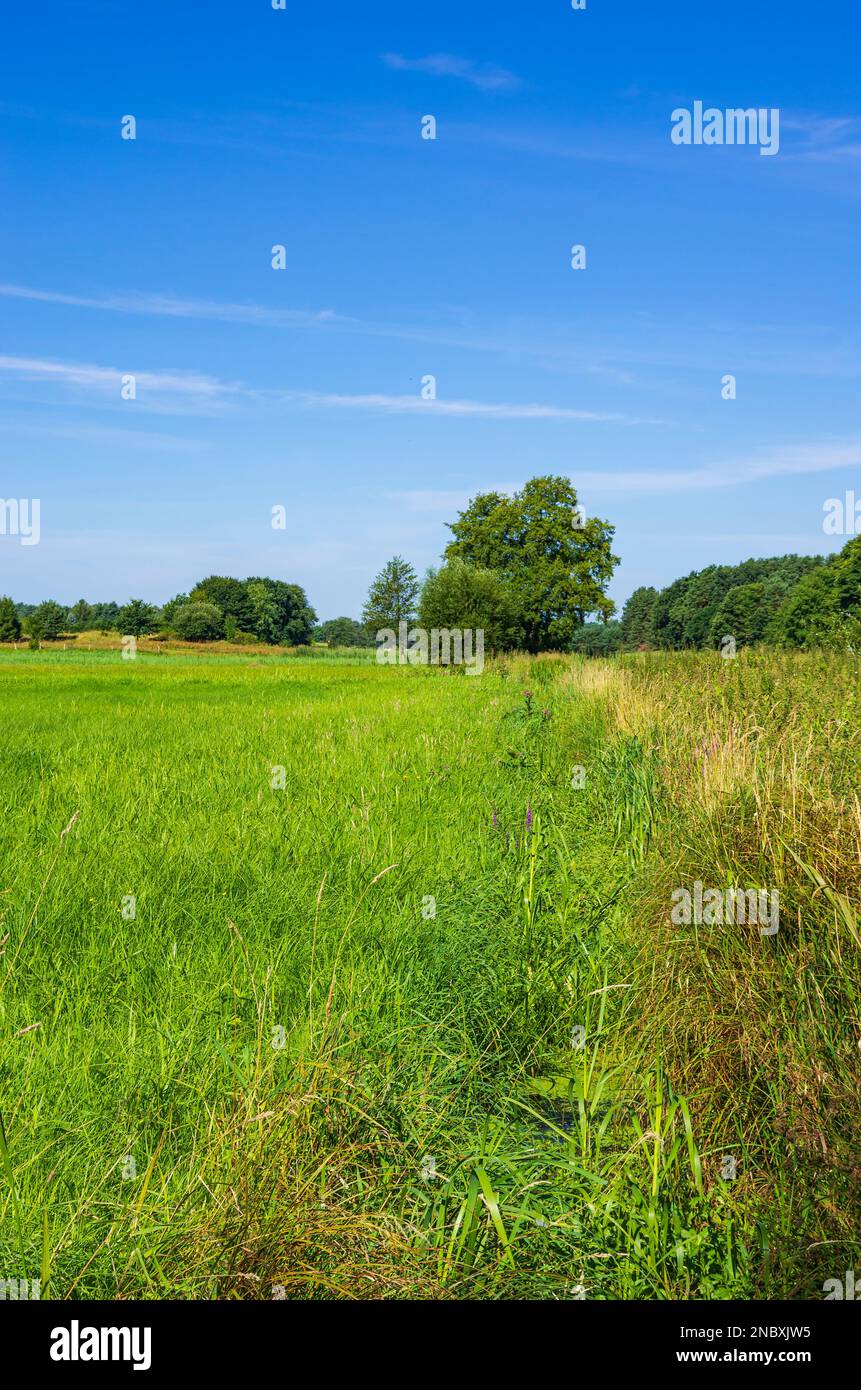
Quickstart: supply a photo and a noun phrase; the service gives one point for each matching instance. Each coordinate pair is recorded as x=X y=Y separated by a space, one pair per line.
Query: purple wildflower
x=494 y=818
x=528 y=817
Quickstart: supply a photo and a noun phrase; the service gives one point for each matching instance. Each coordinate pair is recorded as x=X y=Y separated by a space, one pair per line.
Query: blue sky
x=409 y=257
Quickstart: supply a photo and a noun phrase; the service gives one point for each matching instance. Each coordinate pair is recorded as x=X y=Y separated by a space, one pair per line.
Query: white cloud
x=609 y=353
x=487 y=76
x=172 y=306
x=159 y=390
x=209 y=390
x=776 y=461
x=828 y=139
x=492 y=410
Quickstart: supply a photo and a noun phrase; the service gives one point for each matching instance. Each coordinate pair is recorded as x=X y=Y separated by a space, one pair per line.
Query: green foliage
x=461 y=595
x=688 y=612
x=10 y=623
x=556 y=570
x=105 y=616
x=598 y=639
x=80 y=615
x=47 y=621
x=668 y=614
x=137 y=618
x=746 y=613
x=280 y=612
x=824 y=608
x=638 y=619
x=229 y=595
x=198 y=622
x=392 y=596
x=171 y=608
x=343 y=632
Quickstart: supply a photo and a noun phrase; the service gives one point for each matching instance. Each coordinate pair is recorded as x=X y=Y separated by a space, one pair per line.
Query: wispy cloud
x=210 y=391
x=87 y=374
x=487 y=76
x=464 y=409
x=776 y=461
x=172 y=306
x=609 y=353
x=823 y=139
x=163 y=392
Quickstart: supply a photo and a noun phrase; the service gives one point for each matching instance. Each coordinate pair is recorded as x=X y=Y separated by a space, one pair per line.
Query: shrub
x=198 y=622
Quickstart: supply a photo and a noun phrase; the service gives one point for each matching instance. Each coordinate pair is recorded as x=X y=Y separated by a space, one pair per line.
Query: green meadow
x=321 y=979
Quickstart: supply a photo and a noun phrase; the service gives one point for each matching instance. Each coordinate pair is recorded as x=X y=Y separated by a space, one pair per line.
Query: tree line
x=249 y=610
x=531 y=570
x=527 y=569
x=796 y=601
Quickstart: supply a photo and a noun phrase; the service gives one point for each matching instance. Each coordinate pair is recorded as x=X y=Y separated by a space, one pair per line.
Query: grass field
x=400 y=1010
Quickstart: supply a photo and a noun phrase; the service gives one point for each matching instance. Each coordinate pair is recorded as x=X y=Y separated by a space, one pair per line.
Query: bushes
x=198 y=622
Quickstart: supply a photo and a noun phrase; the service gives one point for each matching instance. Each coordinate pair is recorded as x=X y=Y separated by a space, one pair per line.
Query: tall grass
x=414 y=1023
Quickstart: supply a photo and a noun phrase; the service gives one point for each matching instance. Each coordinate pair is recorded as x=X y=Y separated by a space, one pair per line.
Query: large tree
x=555 y=562
x=281 y=612
x=230 y=595
x=10 y=623
x=669 y=612
x=172 y=607
x=598 y=639
x=392 y=595
x=459 y=595
x=745 y=613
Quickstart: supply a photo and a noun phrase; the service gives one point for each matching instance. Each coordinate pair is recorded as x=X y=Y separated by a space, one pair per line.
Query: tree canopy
x=555 y=562
x=343 y=632
x=748 y=601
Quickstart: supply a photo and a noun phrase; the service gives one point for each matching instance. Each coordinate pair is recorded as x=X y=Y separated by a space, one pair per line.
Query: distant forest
x=788 y=601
